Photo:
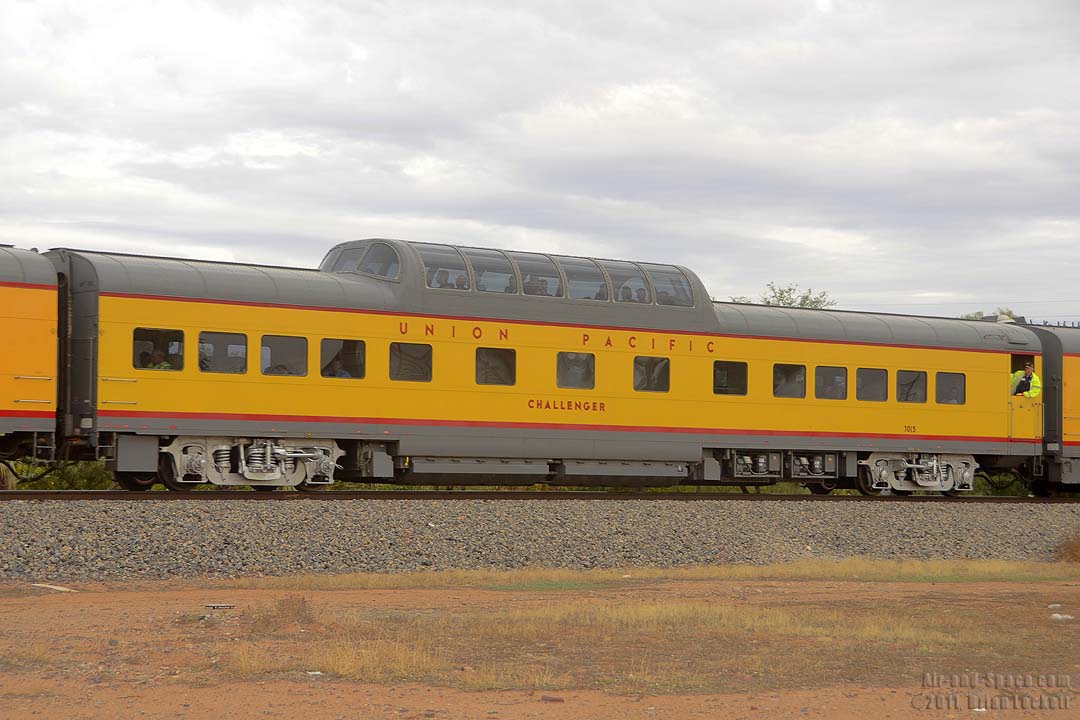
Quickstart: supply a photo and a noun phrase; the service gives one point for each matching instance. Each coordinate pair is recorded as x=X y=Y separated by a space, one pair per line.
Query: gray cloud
x=916 y=156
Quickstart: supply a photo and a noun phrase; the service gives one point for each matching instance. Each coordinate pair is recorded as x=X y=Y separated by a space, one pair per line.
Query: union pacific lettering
x=475 y=331
x=590 y=406
x=636 y=342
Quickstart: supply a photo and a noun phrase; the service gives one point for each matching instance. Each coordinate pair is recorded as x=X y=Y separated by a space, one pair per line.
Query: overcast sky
x=915 y=156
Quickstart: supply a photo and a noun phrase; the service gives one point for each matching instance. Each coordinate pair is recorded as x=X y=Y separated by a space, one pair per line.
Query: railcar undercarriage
x=308 y=464
x=257 y=462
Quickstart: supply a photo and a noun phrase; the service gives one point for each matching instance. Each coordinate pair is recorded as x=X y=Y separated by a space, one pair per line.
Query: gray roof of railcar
x=24 y=266
x=875 y=328
x=237 y=282
x=1068 y=337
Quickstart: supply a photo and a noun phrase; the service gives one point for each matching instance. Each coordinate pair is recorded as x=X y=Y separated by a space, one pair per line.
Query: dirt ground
x=572 y=646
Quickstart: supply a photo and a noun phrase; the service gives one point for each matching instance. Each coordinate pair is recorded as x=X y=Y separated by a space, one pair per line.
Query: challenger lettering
x=567 y=405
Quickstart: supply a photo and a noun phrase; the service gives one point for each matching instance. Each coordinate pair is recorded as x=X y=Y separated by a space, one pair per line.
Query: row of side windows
x=831 y=383
x=159 y=349
x=223 y=352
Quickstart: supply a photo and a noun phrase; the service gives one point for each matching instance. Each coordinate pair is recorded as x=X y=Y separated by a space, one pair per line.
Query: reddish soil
x=126 y=651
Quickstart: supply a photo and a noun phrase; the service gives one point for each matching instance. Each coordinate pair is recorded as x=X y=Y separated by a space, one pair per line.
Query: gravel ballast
x=114 y=540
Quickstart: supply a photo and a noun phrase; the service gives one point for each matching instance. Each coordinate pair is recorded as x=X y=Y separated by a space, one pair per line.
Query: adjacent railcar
x=28 y=355
x=418 y=363
x=1061 y=388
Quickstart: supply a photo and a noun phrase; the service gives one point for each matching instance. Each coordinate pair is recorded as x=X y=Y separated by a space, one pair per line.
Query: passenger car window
x=951 y=388
x=576 y=370
x=496 y=366
x=157 y=349
x=789 y=381
x=584 y=281
x=911 y=386
x=872 y=384
x=627 y=282
x=830 y=383
x=492 y=270
x=729 y=378
x=284 y=355
x=342 y=358
x=538 y=274
x=652 y=374
x=222 y=352
x=382 y=260
x=410 y=361
x=671 y=285
x=444 y=268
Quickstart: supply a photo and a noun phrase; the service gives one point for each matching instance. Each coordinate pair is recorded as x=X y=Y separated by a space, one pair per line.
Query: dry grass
x=29 y=689
x=632 y=631
x=27 y=657
x=622 y=645
x=285 y=612
x=502 y=676
x=249 y=660
x=851 y=569
x=604 y=619
x=379 y=660
x=1070 y=551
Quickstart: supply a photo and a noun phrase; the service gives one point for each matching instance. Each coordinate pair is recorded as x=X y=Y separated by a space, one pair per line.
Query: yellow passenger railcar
x=424 y=363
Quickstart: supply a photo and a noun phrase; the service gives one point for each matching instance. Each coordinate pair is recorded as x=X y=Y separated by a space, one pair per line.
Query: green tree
x=1000 y=312
x=790 y=296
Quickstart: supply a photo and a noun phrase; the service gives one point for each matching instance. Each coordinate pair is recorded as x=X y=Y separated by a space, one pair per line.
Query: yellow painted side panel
x=28 y=350
x=454 y=396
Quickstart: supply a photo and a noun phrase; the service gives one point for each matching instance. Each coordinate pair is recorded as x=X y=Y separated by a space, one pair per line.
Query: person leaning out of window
x=1025 y=382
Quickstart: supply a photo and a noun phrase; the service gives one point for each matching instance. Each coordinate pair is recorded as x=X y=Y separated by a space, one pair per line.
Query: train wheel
x=167 y=476
x=1039 y=487
x=864 y=483
x=136 y=482
x=305 y=486
x=169 y=481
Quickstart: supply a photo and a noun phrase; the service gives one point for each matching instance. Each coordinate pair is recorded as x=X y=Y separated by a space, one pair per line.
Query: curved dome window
x=584 y=280
x=381 y=260
x=671 y=285
x=539 y=276
x=492 y=270
x=628 y=283
x=376 y=259
x=444 y=267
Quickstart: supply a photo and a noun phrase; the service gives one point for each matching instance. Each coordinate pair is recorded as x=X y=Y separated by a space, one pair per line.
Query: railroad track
x=330 y=495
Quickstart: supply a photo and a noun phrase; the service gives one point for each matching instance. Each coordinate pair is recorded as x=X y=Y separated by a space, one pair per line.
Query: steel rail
x=331 y=495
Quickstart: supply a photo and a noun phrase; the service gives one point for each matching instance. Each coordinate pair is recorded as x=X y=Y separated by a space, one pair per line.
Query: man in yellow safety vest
x=1025 y=382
